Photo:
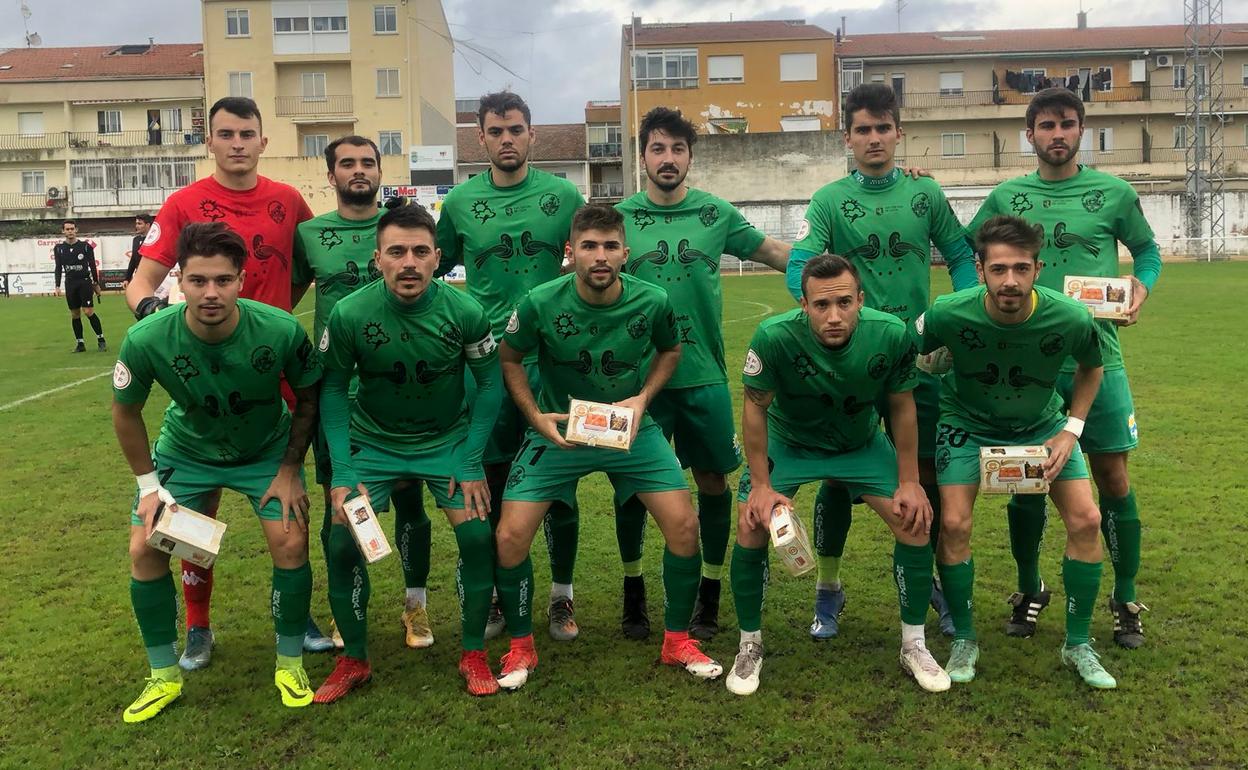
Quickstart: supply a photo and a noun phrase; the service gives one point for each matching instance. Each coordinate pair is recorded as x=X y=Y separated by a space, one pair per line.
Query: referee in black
x=76 y=259
x=142 y=223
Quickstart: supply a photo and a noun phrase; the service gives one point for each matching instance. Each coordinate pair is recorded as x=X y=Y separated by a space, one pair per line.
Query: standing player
x=676 y=236
x=1009 y=339
x=508 y=227
x=264 y=213
x=812 y=378
x=142 y=223
x=1083 y=213
x=593 y=331
x=76 y=259
x=336 y=250
x=883 y=221
x=223 y=361
x=411 y=339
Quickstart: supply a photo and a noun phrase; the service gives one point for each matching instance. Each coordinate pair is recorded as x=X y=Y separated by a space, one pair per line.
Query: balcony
x=1005 y=102
x=604 y=151
x=53 y=141
x=82 y=140
x=599 y=190
x=313 y=107
x=31 y=203
x=125 y=199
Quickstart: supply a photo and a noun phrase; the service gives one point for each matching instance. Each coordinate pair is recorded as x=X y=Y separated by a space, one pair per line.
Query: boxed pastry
x=1105 y=297
x=366 y=530
x=788 y=537
x=187 y=534
x=601 y=425
x=1013 y=470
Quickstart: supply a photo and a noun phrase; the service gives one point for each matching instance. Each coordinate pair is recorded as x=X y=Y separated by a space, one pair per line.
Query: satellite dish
x=33 y=39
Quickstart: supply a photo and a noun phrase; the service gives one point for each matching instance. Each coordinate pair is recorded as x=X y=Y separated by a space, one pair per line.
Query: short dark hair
x=596 y=217
x=875 y=98
x=211 y=239
x=407 y=214
x=1014 y=231
x=1057 y=99
x=670 y=122
x=829 y=266
x=500 y=103
x=148 y=218
x=68 y=222
x=355 y=140
x=240 y=106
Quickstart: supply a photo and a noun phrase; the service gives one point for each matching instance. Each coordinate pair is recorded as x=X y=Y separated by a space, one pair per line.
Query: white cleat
x=743 y=678
x=919 y=663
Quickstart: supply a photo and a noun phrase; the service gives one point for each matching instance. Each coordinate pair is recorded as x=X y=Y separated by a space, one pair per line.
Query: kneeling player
x=591 y=330
x=410 y=339
x=812 y=378
x=1008 y=339
x=222 y=360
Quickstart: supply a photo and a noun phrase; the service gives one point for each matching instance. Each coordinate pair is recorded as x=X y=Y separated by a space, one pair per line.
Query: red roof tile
x=162 y=60
x=957 y=42
x=555 y=141
x=725 y=32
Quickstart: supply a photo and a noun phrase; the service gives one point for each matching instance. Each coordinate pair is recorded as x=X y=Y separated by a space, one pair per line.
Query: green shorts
x=927 y=404
x=380 y=469
x=700 y=420
x=957 y=453
x=510 y=425
x=868 y=470
x=543 y=472
x=1111 y=420
x=190 y=481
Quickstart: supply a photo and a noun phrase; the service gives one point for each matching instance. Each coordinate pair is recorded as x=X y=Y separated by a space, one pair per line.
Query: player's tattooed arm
x=772 y=253
x=910 y=502
x=287 y=486
x=302 y=424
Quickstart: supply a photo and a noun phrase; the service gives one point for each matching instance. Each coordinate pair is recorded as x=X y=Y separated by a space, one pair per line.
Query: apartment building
x=605 y=144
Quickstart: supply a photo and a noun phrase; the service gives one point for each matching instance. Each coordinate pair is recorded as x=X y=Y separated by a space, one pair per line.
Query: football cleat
x=681 y=650
x=743 y=678
x=563 y=626
x=1088 y=664
x=1027 y=607
x=294 y=686
x=634 y=622
x=919 y=663
x=705 y=622
x=417 y=633
x=474 y=667
x=101 y=345
x=829 y=603
x=496 y=623
x=79 y=348
x=157 y=693
x=943 y=616
x=348 y=674
x=314 y=640
x=963 y=655
x=518 y=663
x=1128 y=631
x=198 y=652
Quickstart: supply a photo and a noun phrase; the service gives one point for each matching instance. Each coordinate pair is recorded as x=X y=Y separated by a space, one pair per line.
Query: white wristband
x=1074 y=425
x=149 y=483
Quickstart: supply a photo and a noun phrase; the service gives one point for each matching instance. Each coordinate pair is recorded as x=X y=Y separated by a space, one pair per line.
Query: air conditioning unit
x=1165 y=60
x=54 y=193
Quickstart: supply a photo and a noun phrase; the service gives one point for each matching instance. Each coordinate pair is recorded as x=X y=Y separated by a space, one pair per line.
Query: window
x=30 y=123
x=329 y=23
x=385 y=19
x=952 y=145
x=314 y=145
x=291 y=24
x=240 y=84
x=1107 y=78
x=171 y=120
x=114 y=174
x=951 y=84
x=666 y=69
x=877 y=78
x=1180 y=137
x=1104 y=140
x=1179 y=75
x=604 y=141
x=851 y=74
x=109 y=121
x=799 y=66
x=33 y=183
x=237 y=22
x=388 y=82
x=800 y=123
x=1030 y=78
x=390 y=142
x=725 y=69
x=313 y=86
x=1244 y=75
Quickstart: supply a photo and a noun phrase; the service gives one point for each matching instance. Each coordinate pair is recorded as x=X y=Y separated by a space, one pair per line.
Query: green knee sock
x=958 y=583
x=474 y=579
x=933 y=496
x=413 y=534
x=562 y=526
x=749 y=575
x=1120 y=522
x=912 y=569
x=1027 y=518
x=833 y=515
x=156 y=609
x=680 y=583
x=349 y=589
x=1082 y=581
x=515 y=593
x=715 y=524
x=291 y=601
x=630 y=534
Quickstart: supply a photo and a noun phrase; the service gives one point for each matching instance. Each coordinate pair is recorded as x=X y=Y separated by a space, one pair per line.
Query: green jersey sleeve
x=813 y=238
x=743 y=238
x=903 y=374
x=664 y=333
x=447 y=239
x=481 y=352
x=927 y=330
x=1132 y=228
x=760 y=364
x=950 y=237
x=132 y=375
x=990 y=208
x=300 y=270
x=1087 y=348
x=521 y=334
x=303 y=364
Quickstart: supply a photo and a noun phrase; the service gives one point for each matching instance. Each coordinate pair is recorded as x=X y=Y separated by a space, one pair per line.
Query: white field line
x=74 y=384
x=767 y=310
x=306 y=312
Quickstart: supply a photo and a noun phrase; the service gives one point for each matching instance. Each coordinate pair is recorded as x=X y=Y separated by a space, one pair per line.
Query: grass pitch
x=72 y=657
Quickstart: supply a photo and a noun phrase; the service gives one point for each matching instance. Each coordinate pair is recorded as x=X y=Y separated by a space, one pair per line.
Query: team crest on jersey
x=804 y=366
x=1131 y=427
x=153 y=234
x=121 y=376
x=1020 y=202
x=513 y=323
x=753 y=364
x=210 y=210
x=852 y=210
x=481 y=211
x=971 y=339
x=1051 y=344
x=708 y=215
x=263 y=358
x=324 y=346
x=877 y=367
x=921 y=205
x=375 y=335
x=451 y=334
x=330 y=238
x=1093 y=201
x=184 y=368
x=638 y=326
x=803 y=230
x=549 y=204
x=565 y=326
x=277 y=211
x=642 y=219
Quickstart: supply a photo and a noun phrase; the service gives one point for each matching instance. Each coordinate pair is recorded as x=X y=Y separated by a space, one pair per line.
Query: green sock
x=289 y=662
x=749 y=574
x=349 y=590
x=515 y=593
x=1082 y=581
x=933 y=496
x=156 y=609
x=630 y=534
x=1120 y=523
x=833 y=514
x=958 y=583
x=912 y=569
x=681 y=575
x=562 y=526
x=474 y=579
x=170 y=673
x=714 y=524
x=413 y=534
x=1027 y=518
x=291 y=601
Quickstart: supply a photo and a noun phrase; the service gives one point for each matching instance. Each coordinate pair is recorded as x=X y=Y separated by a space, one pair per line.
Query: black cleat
x=634 y=621
x=705 y=622
x=1128 y=631
x=1022 y=622
x=79 y=348
x=102 y=346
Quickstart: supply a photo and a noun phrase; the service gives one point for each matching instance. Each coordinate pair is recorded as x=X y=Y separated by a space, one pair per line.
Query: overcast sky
x=569 y=53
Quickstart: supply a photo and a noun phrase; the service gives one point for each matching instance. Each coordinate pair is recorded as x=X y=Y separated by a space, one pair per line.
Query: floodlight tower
x=1205 y=209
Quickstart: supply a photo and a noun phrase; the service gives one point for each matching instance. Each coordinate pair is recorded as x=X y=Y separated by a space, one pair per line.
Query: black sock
x=77 y=324
x=95 y=325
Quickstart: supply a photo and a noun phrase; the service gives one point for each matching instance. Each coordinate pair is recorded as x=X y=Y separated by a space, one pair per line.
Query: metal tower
x=1205 y=214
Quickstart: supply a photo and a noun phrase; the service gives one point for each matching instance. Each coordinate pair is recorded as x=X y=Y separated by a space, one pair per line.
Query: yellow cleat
x=294 y=686
x=157 y=694
x=416 y=623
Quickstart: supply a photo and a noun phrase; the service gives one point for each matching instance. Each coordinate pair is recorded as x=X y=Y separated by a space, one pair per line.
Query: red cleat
x=348 y=674
x=474 y=667
x=680 y=650
x=518 y=663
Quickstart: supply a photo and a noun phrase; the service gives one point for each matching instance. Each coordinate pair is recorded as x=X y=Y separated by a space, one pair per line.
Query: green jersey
x=1082 y=219
x=509 y=239
x=678 y=248
x=591 y=352
x=885 y=226
x=337 y=254
x=825 y=398
x=226 y=396
x=1004 y=377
